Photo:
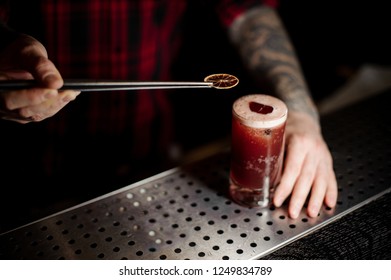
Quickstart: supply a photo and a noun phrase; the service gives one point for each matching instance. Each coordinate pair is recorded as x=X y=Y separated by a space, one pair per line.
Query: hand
x=308 y=168
x=26 y=58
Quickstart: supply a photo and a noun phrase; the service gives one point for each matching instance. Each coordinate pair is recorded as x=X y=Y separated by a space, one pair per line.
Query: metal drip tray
x=185 y=213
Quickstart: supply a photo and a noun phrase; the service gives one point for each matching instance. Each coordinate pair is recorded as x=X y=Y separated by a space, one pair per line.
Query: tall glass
x=257 y=149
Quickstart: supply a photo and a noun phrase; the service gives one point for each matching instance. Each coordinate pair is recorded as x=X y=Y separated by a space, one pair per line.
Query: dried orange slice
x=222 y=81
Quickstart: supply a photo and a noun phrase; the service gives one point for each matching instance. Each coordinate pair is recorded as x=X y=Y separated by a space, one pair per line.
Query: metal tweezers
x=105 y=85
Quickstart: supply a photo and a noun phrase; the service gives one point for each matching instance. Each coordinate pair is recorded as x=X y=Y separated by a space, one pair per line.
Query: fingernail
x=294 y=212
x=49 y=78
x=277 y=202
x=69 y=97
x=52 y=80
x=50 y=94
x=313 y=211
x=66 y=98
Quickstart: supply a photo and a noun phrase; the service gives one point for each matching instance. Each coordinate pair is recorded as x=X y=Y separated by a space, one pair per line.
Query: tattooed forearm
x=269 y=55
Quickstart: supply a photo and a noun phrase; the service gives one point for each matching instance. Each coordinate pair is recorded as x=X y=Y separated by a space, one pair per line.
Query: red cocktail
x=257 y=150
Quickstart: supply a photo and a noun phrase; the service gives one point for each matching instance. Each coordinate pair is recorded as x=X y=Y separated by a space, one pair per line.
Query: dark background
x=333 y=38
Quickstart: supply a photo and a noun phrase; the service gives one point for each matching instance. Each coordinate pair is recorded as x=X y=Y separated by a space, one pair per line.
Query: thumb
x=34 y=59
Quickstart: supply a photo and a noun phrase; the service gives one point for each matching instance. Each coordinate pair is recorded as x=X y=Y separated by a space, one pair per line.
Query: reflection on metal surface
x=185 y=213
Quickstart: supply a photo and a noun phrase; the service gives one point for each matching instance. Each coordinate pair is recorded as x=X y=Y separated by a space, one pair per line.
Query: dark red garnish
x=260 y=108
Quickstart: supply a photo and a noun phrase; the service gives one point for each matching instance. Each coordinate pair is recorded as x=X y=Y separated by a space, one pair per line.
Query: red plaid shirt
x=118 y=39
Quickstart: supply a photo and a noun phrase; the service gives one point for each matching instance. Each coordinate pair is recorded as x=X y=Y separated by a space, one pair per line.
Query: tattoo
x=269 y=56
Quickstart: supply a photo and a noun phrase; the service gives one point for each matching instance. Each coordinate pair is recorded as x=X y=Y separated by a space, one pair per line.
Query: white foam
x=241 y=109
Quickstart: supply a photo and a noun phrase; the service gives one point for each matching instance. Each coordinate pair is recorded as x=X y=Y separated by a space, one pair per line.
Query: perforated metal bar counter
x=185 y=213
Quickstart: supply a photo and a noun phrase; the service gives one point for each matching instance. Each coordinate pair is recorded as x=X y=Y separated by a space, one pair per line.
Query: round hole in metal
x=139 y=253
